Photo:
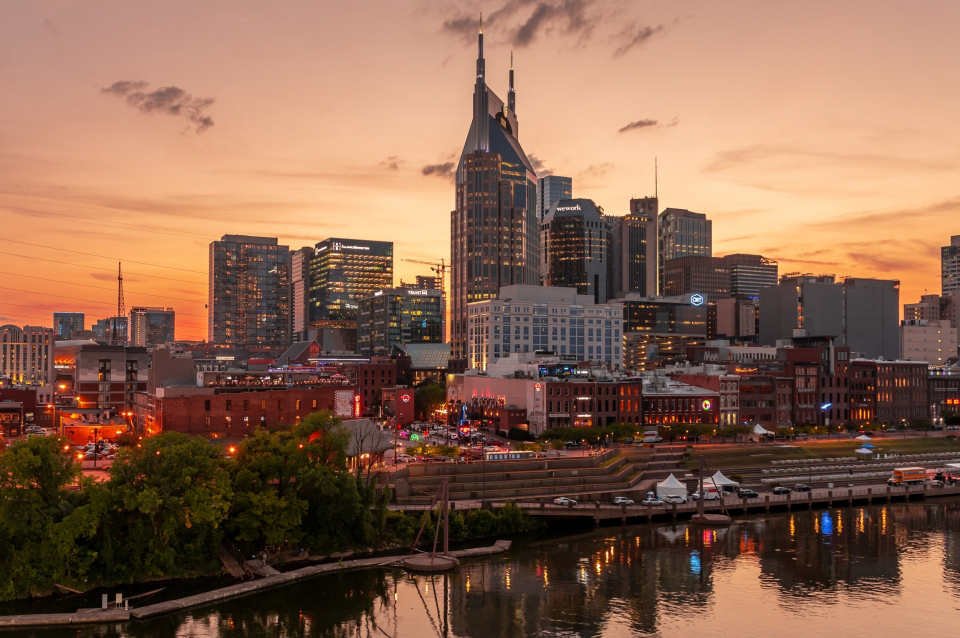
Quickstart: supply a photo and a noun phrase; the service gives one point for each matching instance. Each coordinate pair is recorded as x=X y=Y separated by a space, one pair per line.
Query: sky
x=822 y=134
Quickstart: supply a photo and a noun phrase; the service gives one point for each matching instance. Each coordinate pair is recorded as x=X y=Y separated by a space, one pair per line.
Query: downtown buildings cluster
x=559 y=314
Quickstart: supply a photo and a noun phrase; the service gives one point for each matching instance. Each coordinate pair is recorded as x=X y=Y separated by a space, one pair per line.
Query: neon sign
x=696 y=299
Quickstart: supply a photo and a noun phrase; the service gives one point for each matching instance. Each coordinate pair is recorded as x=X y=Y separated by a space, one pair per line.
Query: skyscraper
x=249 y=292
x=67 y=323
x=494 y=231
x=950 y=266
x=150 y=327
x=633 y=250
x=574 y=245
x=300 y=292
x=344 y=271
x=682 y=233
x=397 y=316
x=550 y=190
x=750 y=273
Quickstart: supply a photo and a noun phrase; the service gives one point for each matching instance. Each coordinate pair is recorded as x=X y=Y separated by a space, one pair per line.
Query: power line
x=146 y=294
x=140 y=274
x=90 y=301
x=16 y=210
x=78 y=252
x=183 y=325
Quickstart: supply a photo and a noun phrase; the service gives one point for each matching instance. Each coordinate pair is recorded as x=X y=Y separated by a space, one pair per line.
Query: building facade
x=950 y=266
x=682 y=233
x=750 y=273
x=494 y=230
x=633 y=249
x=550 y=190
x=106 y=378
x=27 y=354
x=66 y=324
x=249 y=291
x=344 y=271
x=300 y=293
x=707 y=276
x=396 y=316
x=544 y=319
x=930 y=341
x=574 y=247
x=150 y=327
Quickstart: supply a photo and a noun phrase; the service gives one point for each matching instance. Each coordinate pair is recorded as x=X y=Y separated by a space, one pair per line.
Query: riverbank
x=112 y=616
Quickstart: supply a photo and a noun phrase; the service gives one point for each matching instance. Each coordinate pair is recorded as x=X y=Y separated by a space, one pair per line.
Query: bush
x=519 y=434
x=482 y=523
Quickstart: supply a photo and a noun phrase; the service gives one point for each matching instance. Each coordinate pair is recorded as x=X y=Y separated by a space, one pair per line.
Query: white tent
x=758 y=430
x=721 y=481
x=864 y=437
x=865 y=450
x=670 y=487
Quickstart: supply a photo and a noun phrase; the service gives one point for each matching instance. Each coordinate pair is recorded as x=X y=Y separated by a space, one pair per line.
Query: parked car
x=622 y=500
x=711 y=495
x=800 y=487
x=652 y=501
x=781 y=490
x=563 y=500
x=572 y=444
x=745 y=493
x=404 y=458
x=676 y=499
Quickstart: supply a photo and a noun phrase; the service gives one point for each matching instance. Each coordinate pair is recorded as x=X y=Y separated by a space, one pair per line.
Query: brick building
x=727 y=387
x=235 y=412
x=899 y=391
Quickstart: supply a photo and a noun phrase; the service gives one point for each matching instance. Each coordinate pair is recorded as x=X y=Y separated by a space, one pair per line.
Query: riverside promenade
x=113 y=616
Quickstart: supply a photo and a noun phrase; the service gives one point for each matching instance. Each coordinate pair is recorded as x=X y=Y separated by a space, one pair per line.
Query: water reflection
x=781 y=572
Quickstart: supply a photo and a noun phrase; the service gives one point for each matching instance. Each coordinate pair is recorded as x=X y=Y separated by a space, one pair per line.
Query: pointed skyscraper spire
x=480 y=64
x=480 y=126
x=511 y=95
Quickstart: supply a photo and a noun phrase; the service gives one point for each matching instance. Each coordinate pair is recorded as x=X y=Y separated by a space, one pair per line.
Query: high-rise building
x=111 y=330
x=65 y=324
x=151 y=327
x=494 y=231
x=682 y=233
x=750 y=273
x=634 y=249
x=300 y=292
x=397 y=316
x=574 y=245
x=935 y=308
x=550 y=190
x=950 y=266
x=344 y=271
x=544 y=319
x=707 y=276
x=26 y=354
x=659 y=330
x=249 y=292
x=861 y=314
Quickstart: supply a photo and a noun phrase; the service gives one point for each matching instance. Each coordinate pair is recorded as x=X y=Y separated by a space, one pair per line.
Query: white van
x=651 y=436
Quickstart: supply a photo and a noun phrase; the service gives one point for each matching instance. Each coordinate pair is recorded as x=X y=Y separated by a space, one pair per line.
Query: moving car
x=745 y=493
x=781 y=490
x=563 y=500
x=622 y=500
x=800 y=487
x=676 y=499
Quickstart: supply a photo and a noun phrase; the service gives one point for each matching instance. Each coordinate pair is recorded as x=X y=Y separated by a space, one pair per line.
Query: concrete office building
x=344 y=271
x=862 y=314
x=26 y=354
x=544 y=319
x=398 y=316
x=931 y=341
x=550 y=190
x=150 y=327
x=659 y=330
x=66 y=324
x=682 y=233
x=750 y=273
x=633 y=249
x=494 y=230
x=935 y=308
x=950 y=266
x=574 y=246
x=249 y=292
x=707 y=276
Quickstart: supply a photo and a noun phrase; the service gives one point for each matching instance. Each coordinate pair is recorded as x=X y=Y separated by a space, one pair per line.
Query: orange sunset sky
x=823 y=134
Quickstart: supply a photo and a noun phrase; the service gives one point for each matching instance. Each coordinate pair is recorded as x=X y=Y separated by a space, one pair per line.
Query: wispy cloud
x=444 y=170
x=167 y=100
x=647 y=123
x=392 y=163
x=636 y=35
x=538 y=166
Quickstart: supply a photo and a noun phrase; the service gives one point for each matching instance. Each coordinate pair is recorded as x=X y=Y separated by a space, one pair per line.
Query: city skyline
x=801 y=154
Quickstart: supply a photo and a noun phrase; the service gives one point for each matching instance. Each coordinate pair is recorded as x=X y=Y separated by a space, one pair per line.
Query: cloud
x=636 y=35
x=444 y=170
x=392 y=163
x=595 y=170
x=167 y=100
x=538 y=166
x=647 y=123
x=569 y=17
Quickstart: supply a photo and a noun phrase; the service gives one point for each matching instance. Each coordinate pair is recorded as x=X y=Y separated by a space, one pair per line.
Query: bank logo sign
x=697 y=299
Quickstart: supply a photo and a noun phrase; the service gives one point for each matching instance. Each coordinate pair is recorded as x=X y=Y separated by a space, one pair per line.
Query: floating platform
x=425 y=563
x=716 y=520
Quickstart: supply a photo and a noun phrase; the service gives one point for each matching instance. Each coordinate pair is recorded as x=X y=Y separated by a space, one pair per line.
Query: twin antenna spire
x=511 y=97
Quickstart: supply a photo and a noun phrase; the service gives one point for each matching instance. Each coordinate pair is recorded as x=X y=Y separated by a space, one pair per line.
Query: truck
x=907 y=476
x=651 y=436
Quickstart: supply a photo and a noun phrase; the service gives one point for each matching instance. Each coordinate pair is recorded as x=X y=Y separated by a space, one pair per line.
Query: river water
x=864 y=571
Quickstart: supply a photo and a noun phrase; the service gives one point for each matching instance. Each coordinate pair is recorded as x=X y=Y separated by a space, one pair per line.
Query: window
x=280 y=404
x=314 y=404
x=206 y=422
x=263 y=406
x=298 y=406
x=206 y=407
x=246 y=405
x=229 y=421
x=246 y=421
x=229 y=405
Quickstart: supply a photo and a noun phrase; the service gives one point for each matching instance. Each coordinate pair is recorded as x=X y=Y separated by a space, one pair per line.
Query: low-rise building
x=933 y=341
x=27 y=354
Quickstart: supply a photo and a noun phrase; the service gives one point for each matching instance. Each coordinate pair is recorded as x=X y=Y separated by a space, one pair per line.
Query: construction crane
x=439 y=269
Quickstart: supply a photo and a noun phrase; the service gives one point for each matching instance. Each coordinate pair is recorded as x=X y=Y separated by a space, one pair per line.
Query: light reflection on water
x=871 y=571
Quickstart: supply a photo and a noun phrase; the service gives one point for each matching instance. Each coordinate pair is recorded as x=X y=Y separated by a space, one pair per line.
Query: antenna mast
x=115 y=339
x=655 y=194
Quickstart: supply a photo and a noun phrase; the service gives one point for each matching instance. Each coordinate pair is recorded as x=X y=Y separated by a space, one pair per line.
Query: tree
x=428 y=397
